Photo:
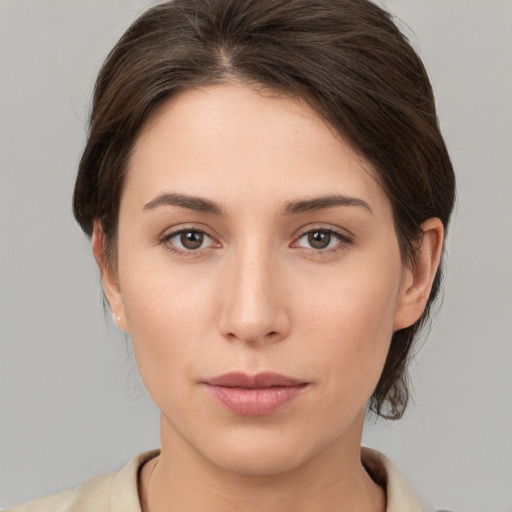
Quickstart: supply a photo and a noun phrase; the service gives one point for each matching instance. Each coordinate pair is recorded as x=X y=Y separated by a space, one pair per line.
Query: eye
x=187 y=240
x=322 y=239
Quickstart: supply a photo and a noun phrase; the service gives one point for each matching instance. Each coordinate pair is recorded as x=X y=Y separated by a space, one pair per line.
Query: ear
x=108 y=277
x=417 y=280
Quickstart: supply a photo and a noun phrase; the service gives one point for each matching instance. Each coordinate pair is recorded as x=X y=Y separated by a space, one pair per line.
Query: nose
x=254 y=302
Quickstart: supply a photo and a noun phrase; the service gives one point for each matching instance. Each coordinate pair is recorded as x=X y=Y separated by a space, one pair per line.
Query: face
x=259 y=276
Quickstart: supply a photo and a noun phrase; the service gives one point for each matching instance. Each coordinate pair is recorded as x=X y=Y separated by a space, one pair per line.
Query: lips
x=261 y=380
x=254 y=395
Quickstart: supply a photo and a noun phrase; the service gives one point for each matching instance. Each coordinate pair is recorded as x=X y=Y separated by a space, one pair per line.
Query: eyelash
x=343 y=241
x=189 y=253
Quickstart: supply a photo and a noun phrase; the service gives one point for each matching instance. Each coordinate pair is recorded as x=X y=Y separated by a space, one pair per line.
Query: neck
x=333 y=480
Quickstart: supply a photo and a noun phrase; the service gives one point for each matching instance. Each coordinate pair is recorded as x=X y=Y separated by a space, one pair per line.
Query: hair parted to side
x=346 y=58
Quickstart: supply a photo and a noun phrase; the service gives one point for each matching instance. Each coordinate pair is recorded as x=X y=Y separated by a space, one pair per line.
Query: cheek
x=352 y=325
x=169 y=315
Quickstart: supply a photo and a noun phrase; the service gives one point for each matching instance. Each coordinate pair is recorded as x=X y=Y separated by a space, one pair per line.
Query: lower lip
x=255 y=402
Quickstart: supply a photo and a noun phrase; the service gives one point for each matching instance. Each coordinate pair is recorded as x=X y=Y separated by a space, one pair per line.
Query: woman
x=267 y=193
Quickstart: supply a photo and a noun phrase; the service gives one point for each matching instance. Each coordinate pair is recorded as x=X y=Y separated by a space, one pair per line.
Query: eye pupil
x=192 y=239
x=319 y=239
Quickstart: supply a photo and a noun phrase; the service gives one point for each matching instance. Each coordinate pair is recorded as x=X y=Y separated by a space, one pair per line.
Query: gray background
x=71 y=403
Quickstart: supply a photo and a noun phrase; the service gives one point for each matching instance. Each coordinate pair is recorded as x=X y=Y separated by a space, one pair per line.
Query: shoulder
x=92 y=493
x=111 y=492
x=400 y=497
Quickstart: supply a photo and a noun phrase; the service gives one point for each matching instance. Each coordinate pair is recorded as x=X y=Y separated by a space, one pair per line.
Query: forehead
x=229 y=140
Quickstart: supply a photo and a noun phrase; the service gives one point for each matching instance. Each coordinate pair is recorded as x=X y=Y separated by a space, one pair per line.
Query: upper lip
x=260 y=380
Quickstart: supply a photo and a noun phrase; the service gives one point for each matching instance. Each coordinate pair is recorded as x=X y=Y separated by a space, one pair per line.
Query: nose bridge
x=253 y=304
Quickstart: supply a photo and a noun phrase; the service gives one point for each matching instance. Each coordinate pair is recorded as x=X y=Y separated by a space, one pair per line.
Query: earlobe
x=418 y=279
x=109 y=279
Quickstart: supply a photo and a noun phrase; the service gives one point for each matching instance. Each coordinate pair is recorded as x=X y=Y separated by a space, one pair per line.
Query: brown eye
x=323 y=241
x=191 y=239
x=187 y=241
x=319 y=239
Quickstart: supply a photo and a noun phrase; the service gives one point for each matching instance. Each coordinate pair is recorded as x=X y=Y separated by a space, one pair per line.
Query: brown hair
x=346 y=58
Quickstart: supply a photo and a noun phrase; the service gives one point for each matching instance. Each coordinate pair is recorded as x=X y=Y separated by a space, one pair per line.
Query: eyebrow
x=324 y=202
x=199 y=204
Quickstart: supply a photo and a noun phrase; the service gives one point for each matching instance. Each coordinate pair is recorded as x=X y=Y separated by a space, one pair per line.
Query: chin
x=260 y=454
x=259 y=462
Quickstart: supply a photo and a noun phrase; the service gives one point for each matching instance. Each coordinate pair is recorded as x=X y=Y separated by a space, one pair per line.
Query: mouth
x=254 y=395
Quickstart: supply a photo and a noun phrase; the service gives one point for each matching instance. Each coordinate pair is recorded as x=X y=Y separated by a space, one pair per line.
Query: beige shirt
x=117 y=492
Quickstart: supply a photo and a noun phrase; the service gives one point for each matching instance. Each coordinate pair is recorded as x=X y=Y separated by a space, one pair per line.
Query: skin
x=258 y=294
